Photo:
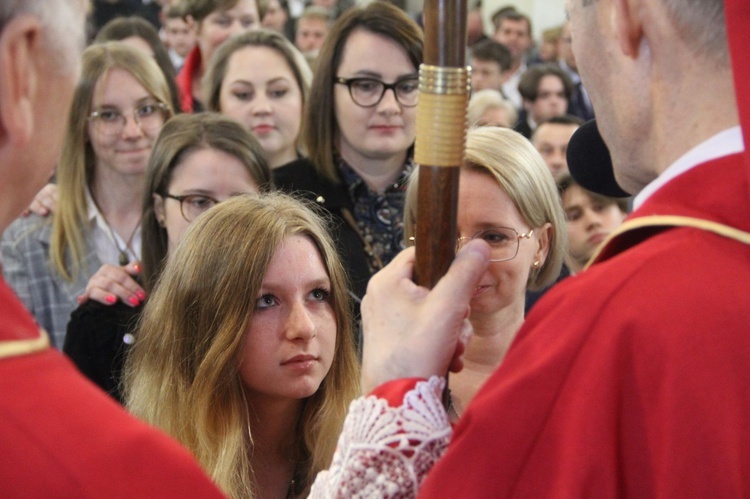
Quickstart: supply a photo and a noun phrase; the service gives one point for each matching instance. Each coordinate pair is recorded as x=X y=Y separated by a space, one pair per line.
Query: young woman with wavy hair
x=245 y=352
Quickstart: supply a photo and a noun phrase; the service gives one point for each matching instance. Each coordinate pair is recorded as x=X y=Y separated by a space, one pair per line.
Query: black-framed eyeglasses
x=149 y=117
x=193 y=205
x=503 y=241
x=368 y=92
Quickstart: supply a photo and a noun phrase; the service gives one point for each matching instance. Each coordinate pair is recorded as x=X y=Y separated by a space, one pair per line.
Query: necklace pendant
x=123 y=259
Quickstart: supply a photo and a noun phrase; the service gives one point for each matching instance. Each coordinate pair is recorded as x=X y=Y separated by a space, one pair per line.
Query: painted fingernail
x=110 y=299
x=140 y=294
x=134 y=301
x=79 y=299
x=137 y=267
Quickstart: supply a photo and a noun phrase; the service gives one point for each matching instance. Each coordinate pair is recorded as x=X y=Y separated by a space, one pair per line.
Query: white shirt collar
x=722 y=144
x=107 y=243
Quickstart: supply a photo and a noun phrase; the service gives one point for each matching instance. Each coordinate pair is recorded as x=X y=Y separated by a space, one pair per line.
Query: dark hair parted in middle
x=320 y=128
x=529 y=84
x=180 y=136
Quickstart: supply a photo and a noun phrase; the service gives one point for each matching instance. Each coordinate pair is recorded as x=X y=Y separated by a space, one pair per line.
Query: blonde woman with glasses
x=507 y=198
x=119 y=106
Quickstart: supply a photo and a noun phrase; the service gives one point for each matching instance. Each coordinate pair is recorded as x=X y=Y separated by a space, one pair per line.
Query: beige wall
x=543 y=13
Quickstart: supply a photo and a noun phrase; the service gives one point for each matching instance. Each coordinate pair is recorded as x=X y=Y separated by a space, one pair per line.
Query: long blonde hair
x=76 y=167
x=183 y=372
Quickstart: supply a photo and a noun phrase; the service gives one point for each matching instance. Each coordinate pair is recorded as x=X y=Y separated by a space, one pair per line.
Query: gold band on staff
x=441 y=115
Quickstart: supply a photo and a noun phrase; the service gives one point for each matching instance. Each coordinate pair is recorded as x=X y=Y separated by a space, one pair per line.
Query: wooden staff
x=444 y=88
x=444 y=85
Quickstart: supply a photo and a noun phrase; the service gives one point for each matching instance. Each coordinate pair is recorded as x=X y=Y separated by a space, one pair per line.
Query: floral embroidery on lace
x=387 y=451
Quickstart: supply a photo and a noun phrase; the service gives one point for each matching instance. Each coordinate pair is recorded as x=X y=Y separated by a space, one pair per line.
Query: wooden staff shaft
x=441 y=135
x=444 y=47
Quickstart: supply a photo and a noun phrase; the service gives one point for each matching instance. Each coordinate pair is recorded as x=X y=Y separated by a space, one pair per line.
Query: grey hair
x=701 y=27
x=57 y=17
x=486 y=99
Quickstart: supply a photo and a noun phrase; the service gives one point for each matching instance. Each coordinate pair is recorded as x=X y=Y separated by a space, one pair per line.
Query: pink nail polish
x=110 y=299
x=134 y=301
x=137 y=267
x=141 y=294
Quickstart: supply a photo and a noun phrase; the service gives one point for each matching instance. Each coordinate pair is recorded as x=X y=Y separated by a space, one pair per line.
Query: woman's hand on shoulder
x=45 y=201
x=111 y=283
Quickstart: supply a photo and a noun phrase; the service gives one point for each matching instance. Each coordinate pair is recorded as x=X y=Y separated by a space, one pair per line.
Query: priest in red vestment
x=60 y=436
x=631 y=378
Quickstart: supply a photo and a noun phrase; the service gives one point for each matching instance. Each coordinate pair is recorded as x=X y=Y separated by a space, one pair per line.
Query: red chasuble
x=60 y=436
x=632 y=378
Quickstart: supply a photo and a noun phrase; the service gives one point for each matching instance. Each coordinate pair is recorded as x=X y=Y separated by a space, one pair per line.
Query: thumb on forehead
x=457 y=285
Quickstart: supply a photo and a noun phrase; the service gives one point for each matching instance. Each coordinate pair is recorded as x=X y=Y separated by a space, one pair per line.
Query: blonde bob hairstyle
x=75 y=171
x=182 y=374
x=509 y=159
x=217 y=69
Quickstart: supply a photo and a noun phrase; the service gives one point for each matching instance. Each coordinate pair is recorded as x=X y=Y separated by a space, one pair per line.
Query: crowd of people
x=222 y=252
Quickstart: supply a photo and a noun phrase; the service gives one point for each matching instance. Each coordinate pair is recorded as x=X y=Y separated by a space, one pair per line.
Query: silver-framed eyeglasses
x=193 y=205
x=503 y=241
x=149 y=117
x=368 y=92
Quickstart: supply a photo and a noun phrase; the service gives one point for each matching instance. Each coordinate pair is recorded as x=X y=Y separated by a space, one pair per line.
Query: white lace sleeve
x=387 y=451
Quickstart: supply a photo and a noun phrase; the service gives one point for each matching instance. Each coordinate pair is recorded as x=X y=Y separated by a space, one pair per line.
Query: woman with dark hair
x=358 y=130
x=275 y=15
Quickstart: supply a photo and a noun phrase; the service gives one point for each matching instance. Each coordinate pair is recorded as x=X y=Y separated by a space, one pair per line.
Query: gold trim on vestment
x=16 y=348
x=673 y=221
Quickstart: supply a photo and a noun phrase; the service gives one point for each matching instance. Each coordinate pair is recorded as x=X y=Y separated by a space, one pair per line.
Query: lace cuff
x=387 y=451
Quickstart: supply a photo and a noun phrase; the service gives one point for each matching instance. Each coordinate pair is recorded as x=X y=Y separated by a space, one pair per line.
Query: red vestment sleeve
x=394 y=391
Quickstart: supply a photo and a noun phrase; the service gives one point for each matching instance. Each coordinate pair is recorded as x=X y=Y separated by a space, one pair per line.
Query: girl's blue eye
x=265 y=301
